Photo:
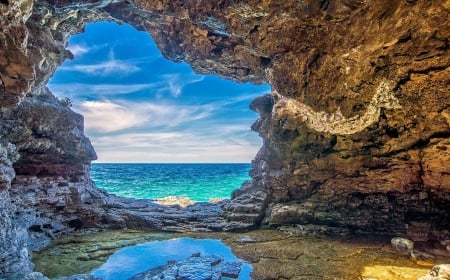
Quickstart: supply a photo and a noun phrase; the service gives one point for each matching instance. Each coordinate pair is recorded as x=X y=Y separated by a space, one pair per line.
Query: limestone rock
x=403 y=245
x=438 y=272
x=14 y=255
x=48 y=136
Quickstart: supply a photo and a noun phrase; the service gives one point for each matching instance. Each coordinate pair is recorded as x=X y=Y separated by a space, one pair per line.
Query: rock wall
x=13 y=236
x=356 y=132
x=358 y=135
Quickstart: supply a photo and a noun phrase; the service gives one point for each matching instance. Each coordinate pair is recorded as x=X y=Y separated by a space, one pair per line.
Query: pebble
x=245 y=239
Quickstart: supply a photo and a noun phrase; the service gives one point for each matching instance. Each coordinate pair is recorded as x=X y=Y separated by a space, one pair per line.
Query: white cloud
x=159 y=131
x=174 y=83
x=103 y=68
x=107 y=116
x=108 y=89
x=174 y=147
x=78 y=50
x=79 y=91
x=225 y=154
x=149 y=132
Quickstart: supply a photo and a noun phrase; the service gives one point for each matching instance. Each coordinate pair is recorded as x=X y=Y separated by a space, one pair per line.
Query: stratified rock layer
x=356 y=132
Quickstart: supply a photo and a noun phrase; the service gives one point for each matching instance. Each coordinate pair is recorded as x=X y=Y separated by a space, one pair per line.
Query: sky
x=140 y=107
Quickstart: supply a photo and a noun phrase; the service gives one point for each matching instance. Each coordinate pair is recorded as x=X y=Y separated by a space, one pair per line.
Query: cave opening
x=157 y=127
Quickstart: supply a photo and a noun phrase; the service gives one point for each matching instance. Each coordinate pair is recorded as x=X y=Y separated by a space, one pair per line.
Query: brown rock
x=403 y=245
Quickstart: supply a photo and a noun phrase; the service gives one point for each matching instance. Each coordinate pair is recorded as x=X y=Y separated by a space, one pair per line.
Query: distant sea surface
x=199 y=182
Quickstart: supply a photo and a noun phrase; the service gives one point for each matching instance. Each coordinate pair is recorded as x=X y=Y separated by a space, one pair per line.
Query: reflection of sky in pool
x=132 y=260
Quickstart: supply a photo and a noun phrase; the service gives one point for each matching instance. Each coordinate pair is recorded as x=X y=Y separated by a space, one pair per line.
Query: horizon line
x=129 y=162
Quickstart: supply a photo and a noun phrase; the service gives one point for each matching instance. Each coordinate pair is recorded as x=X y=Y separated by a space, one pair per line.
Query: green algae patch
x=77 y=254
x=277 y=255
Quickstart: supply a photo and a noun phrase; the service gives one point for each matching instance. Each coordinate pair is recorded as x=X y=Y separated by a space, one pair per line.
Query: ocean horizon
x=198 y=182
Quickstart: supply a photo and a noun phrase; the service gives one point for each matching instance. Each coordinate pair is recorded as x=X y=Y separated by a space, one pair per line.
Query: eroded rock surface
x=13 y=236
x=356 y=132
x=194 y=268
x=272 y=255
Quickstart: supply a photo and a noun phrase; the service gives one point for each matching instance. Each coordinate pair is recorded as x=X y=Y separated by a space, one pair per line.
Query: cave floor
x=273 y=254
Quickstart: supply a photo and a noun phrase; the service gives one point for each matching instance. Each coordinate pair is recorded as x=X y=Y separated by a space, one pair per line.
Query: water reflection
x=132 y=260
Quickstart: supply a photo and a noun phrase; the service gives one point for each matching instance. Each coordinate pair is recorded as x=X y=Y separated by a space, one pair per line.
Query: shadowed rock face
x=356 y=134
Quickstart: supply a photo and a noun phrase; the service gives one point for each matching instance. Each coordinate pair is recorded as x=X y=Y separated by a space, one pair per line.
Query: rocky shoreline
x=272 y=254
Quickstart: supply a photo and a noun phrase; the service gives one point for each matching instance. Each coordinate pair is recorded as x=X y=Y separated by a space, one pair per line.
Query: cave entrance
x=158 y=128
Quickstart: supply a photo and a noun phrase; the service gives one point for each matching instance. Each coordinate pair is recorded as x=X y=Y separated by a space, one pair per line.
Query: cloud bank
x=139 y=107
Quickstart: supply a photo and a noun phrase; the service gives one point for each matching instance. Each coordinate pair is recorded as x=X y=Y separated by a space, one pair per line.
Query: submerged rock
x=80 y=254
x=196 y=267
x=78 y=277
x=175 y=200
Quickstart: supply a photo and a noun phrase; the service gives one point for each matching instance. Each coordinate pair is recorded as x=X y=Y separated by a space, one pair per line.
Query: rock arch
x=390 y=177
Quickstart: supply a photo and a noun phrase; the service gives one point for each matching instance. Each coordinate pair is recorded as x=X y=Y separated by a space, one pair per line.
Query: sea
x=198 y=182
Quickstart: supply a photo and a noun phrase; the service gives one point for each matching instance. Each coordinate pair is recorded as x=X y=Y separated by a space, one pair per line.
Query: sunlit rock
x=439 y=272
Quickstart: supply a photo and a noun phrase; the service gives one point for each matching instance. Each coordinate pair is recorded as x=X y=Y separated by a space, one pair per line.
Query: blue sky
x=140 y=107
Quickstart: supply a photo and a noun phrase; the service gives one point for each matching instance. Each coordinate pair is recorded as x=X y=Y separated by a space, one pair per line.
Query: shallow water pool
x=270 y=255
x=132 y=260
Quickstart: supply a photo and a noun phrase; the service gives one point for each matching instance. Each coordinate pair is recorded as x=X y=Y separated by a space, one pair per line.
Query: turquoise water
x=199 y=182
x=132 y=260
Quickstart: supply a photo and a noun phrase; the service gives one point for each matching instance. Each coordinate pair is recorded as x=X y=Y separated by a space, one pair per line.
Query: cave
x=355 y=132
x=144 y=112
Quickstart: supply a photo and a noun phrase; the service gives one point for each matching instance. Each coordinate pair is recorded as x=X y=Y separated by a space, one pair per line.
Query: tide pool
x=132 y=260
